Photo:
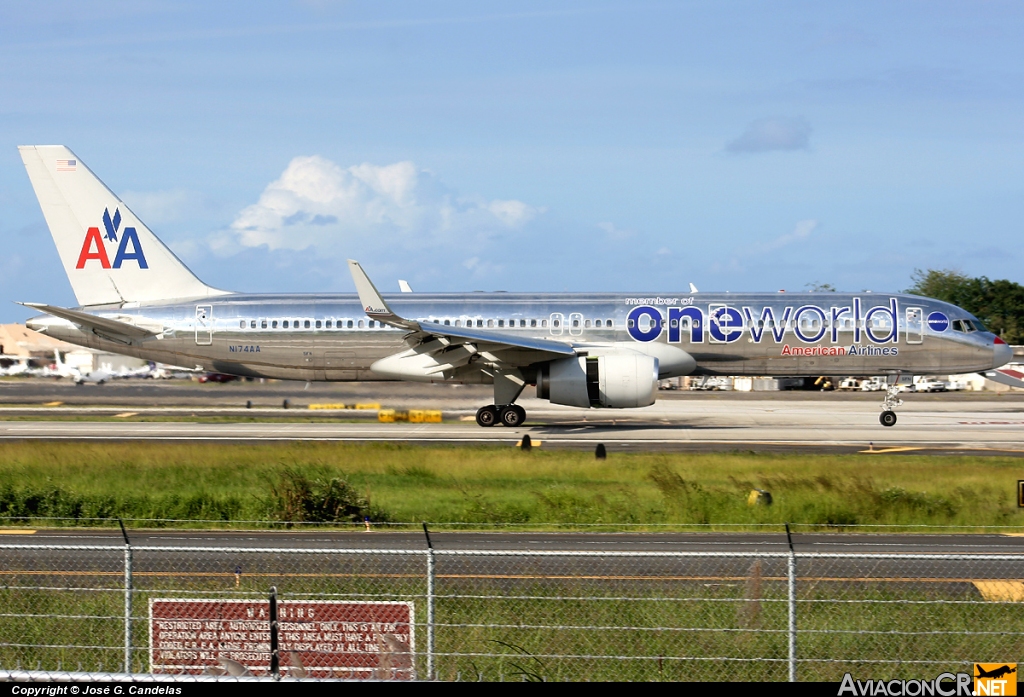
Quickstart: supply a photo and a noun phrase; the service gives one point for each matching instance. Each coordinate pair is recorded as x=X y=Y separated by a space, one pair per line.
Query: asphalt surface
x=795 y=421
x=507 y=561
x=978 y=427
x=378 y=538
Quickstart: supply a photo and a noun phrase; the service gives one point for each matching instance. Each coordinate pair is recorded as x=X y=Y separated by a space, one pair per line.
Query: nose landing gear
x=510 y=415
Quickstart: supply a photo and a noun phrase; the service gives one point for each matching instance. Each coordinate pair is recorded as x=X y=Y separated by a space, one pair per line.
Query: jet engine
x=616 y=381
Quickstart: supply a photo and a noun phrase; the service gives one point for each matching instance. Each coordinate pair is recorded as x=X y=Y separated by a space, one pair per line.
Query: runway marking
x=1001 y=591
x=126 y=414
x=897 y=449
x=17 y=532
x=991 y=586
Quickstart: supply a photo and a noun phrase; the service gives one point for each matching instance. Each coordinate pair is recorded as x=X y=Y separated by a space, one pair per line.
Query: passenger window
x=284 y=324
x=631 y=324
x=685 y=324
x=273 y=324
x=674 y=323
x=447 y=323
x=437 y=321
x=371 y=324
x=350 y=324
x=318 y=325
x=543 y=323
x=555 y=323
x=587 y=323
x=252 y=325
x=490 y=323
x=263 y=324
x=306 y=324
x=458 y=323
x=608 y=323
x=598 y=323
x=241 y=325
x=360 y=324
x=575 y=323
x=533 y=323
x=327 y=324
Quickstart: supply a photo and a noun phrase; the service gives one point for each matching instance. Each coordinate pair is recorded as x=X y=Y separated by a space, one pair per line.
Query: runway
x=87 y=558
x=979 y=427
x=445 y=539
x=179 y=410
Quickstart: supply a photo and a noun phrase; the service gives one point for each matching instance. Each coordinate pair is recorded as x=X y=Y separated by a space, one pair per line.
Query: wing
x=438 y=350
x=1006 y=376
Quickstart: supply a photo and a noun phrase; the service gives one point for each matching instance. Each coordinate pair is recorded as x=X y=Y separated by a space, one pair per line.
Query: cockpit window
x=967 y=326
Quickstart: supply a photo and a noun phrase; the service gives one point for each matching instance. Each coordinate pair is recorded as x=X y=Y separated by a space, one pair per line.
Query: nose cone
x=1001 y=353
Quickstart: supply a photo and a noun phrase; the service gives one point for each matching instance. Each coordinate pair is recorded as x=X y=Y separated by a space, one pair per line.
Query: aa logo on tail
x=94 y=245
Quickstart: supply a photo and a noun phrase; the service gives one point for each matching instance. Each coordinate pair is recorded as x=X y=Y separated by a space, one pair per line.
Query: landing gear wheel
x=487 y=416
x=887 y=418
x=512 y=415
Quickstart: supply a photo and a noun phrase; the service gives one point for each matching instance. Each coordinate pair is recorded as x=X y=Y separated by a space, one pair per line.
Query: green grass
x=491 y=485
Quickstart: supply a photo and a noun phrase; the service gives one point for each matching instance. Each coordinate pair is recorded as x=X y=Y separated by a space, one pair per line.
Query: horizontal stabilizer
x=92 y=322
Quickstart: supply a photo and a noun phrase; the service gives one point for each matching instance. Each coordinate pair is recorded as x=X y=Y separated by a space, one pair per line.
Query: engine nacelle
x=616 y=381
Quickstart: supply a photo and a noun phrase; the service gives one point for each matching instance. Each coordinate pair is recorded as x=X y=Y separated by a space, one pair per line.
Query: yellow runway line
x=902 y=449
x=17 y=532
x=994 y=585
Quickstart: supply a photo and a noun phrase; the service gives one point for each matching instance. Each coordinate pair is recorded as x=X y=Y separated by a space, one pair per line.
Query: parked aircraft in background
x=579 y=349
x=80 y=377
x=16 y=366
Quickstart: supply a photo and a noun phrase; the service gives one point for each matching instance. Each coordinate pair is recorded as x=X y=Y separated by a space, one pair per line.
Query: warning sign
x=316 y=638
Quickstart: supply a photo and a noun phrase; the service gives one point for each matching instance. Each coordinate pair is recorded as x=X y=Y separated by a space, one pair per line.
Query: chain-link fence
x=166 y=612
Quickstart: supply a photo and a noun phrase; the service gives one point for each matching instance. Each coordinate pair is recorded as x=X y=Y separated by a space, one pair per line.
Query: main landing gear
x=892 y=400
x=510 y=415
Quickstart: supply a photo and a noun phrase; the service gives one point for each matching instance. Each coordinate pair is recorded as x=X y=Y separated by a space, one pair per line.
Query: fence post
x=275 y=657
x=791 y=603
x=127 y=599
x=430 y=605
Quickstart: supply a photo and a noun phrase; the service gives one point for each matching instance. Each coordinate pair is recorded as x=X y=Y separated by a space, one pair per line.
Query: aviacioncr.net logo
x=94 y=246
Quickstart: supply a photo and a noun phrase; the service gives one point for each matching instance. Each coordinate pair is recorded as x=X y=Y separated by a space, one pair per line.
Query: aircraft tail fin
x=109 y=255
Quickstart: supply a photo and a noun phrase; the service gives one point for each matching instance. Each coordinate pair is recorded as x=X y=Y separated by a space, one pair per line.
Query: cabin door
x=204 y=325
x=915 y=325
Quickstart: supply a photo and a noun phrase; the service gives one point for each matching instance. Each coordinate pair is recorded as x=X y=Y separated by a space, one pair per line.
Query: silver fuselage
x=819 y=334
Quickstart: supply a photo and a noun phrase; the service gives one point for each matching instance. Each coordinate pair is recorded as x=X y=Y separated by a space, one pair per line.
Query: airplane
x=589 y=350
x=18 y=366
x=63 y=370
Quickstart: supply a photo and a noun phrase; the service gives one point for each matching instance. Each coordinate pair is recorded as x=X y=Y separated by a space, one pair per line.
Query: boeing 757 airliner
x=579 y=349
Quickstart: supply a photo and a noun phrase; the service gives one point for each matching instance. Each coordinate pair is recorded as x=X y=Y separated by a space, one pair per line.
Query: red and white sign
x=321 y=638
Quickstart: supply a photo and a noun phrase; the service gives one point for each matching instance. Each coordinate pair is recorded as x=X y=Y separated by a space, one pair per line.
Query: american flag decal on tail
x=66 y=165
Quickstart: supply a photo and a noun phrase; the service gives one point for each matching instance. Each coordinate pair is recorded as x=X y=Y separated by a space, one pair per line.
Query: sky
x=530 y=146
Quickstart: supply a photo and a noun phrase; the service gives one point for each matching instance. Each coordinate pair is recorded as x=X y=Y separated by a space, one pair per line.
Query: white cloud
x=172 y=205
x=777 y=133
x=315 y=202
x=615 y=233
x=803 y=230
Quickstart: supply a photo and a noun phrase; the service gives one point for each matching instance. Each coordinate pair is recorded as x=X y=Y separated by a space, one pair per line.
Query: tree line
x=998 y=304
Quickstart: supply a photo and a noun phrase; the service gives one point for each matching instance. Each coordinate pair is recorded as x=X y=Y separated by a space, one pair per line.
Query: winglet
x=373 y=304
